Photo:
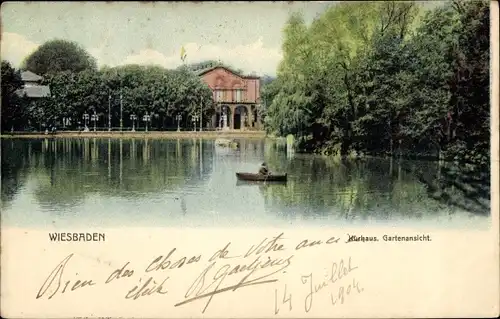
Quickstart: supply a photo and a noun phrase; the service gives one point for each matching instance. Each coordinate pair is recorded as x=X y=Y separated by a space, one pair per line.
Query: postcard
x=249 y=159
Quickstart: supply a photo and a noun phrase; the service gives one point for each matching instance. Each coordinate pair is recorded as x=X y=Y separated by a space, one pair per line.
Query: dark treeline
x=154 y=90
x=77 y=87
x=386 y=78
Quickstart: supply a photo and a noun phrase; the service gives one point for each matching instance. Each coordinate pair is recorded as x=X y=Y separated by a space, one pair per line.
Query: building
x=237 y=97
x=32 y=87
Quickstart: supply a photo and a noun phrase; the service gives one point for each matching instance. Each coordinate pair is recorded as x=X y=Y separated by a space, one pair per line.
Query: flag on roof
x=183 y=54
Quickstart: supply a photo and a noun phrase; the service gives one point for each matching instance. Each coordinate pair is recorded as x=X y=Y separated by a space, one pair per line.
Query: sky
x=245 y=35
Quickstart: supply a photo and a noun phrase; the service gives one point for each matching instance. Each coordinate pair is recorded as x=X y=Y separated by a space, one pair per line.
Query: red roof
x=204 y=71
x=28 y=76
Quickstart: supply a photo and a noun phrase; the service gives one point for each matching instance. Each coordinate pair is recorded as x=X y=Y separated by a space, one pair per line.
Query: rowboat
x=260 y=183
x=261 y=178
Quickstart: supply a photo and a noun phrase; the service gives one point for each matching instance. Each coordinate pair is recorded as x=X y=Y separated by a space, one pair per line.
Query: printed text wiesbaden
x=77 y=237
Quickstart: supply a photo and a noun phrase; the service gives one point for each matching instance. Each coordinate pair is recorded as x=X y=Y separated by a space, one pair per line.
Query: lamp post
x=178 y=118
x=85 y=119
x=195 y=119
x=219 y=108
x=146 y=118
x=109 y=113
x=94 y=118
x=201 y=115
x=224 y=117
x=133 y=117
x=66 y=122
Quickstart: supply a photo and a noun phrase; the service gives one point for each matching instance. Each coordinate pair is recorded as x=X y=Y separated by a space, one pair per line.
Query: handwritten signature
x=252 y=271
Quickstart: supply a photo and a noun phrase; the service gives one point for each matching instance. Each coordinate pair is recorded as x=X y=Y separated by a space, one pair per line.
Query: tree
x=59 y=56
x=160 y=92
x=13 y=105
x=386 y=78
x=470 y=84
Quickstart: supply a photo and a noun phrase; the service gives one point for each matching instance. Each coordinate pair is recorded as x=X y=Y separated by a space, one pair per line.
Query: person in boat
x=264 y=170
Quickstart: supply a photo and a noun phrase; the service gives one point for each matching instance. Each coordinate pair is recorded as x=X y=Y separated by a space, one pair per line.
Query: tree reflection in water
x=200 y=177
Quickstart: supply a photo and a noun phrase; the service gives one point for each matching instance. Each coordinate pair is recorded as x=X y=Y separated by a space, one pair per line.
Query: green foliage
x=386 y=78
x=58 y=56
x=13 y=105
x=159 y=92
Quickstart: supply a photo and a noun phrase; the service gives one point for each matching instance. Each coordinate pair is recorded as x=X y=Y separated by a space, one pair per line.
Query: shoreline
x=141 y=134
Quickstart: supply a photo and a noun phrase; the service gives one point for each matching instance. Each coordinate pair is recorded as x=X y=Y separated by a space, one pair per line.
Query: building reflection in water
x=178 y=151
x=30 y=149
x=183 y=204
x=145 y=151
x=201 y=157
x=133 y=152
x=52 y=161
x=109 y=158
x=86 y=149
x=45 y=146
x=94 y=152
x=121 y=161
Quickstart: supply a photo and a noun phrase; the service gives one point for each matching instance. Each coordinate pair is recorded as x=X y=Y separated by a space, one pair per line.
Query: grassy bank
x=142 y=134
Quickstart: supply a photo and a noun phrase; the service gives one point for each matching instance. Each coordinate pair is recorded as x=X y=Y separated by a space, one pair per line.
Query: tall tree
x=470 y=84
x=13 y=105
x=58 y=56
x=386 y=77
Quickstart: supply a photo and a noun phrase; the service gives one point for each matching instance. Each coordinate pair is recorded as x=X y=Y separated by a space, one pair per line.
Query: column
x=232 y=108
x=250 y=115
x=259 y=124
x=225 y=115
x=214 y=120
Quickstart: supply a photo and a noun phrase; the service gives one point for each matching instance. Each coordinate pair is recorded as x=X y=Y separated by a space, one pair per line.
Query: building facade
x=237 y=98
x=32 y=87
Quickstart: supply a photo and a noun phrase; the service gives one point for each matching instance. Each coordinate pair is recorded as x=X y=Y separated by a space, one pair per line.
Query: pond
x=65 y=182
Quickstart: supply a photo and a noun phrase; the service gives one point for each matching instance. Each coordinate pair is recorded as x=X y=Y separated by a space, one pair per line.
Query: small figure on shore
x=264 y=170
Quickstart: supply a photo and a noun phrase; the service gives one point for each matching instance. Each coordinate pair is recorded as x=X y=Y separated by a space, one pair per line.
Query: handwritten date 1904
x=344 y=291
x=334 y=279
x=335 y=274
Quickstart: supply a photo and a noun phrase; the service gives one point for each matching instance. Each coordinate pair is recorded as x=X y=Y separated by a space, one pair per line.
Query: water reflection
x=109 y=159
x=122 y=181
